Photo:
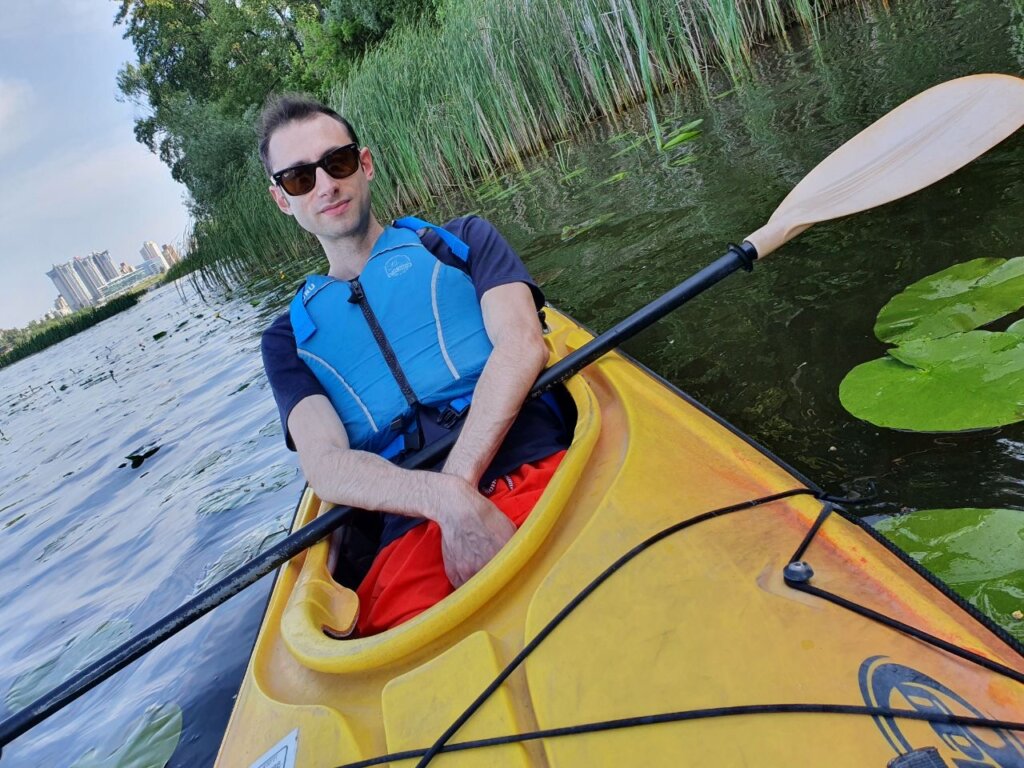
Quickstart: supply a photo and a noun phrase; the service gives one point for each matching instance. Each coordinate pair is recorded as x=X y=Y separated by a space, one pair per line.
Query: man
x=365 y=360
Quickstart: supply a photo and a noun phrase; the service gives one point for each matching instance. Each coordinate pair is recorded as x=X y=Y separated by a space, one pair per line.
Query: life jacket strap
x=457 y=247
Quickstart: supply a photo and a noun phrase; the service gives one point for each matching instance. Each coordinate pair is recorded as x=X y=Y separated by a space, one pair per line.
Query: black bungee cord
x=797 y=575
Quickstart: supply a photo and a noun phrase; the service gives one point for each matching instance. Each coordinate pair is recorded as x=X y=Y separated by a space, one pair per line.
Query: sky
x=72 y=177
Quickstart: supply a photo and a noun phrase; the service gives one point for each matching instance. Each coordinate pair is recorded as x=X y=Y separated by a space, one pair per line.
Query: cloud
x=15 y=108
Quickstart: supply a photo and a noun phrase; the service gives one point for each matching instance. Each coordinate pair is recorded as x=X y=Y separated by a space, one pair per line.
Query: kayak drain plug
x=797 y=572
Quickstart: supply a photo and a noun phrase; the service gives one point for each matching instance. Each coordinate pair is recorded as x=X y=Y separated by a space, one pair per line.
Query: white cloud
x=15 y=103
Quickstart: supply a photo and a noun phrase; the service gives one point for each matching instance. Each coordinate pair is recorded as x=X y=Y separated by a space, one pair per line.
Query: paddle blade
x=921 y=141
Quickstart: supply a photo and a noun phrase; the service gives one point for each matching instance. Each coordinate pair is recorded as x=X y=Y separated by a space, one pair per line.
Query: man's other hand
x=472 y=530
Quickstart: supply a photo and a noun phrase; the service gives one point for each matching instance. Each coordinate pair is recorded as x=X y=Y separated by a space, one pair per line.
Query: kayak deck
x=700 y=619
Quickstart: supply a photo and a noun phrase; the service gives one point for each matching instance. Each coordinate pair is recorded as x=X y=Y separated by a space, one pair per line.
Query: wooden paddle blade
x=921 y=141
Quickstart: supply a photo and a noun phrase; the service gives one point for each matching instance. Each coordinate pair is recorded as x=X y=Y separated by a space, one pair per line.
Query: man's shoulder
x=279 y=331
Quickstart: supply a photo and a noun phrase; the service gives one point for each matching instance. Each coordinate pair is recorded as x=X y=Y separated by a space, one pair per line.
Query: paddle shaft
x=736 y=258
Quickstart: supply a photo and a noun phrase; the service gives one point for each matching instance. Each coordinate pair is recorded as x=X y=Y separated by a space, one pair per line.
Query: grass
x=449 y=107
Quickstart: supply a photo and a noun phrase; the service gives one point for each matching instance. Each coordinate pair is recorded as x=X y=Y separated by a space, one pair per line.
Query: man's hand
x=472 y=530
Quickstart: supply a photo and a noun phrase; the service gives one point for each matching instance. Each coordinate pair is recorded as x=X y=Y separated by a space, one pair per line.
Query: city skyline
x=76 y=180
x=86 y=281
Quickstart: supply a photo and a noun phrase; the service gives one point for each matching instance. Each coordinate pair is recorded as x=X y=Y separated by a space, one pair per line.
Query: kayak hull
x=658 y=662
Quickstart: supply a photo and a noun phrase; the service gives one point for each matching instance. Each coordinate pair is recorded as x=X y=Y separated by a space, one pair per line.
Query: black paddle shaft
x=738 y=256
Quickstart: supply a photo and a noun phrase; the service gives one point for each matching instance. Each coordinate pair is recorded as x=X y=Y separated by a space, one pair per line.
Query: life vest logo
x=887 y=684
x=397 y=265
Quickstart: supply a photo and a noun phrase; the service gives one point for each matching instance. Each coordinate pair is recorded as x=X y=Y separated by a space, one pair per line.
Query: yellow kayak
x=750 y=625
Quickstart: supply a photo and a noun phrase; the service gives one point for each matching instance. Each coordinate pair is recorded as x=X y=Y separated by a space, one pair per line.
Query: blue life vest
x=408 y=332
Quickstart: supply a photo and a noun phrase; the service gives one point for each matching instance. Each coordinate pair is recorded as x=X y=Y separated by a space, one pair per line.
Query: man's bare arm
x=519 y=355
x=472 y=528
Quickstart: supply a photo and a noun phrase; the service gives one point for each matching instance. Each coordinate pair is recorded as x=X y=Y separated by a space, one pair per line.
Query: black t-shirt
x=537 y=432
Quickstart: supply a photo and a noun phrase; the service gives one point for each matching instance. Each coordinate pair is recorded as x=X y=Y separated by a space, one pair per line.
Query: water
x=91 y=547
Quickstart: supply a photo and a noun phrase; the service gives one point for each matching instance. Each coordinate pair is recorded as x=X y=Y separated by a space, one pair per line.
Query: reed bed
x=246 y=240
x=67 y=327
x=445 y=105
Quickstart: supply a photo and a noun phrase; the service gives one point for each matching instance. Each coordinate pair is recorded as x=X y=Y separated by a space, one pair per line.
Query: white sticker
x=281 y=755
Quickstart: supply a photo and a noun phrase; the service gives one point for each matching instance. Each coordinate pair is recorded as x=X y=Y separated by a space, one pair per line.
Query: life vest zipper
x=358 y=296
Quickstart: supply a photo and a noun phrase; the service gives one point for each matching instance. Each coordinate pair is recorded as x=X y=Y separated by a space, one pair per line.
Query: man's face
x=334 y=209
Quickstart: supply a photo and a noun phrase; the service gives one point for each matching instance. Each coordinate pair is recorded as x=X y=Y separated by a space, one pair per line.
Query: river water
x=93 y=548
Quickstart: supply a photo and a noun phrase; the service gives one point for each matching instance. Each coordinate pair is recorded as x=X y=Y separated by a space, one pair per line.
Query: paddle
x=915 y=145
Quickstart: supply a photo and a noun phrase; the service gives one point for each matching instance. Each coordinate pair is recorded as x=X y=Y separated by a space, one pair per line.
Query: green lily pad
x=150 y=743
x=961 y=298
x=977 y=552
x=76 y=654
x=1017 y=328
x=955 y=383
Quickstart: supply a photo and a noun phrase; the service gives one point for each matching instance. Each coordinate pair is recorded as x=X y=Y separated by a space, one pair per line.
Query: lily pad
x=1017 y=328
x=977 y=552
x=955 y=383
x=150 y=743
x=77 y=654
x=961 y=298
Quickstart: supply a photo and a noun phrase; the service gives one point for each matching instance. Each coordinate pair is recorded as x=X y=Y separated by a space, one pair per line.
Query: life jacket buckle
x=449 y=416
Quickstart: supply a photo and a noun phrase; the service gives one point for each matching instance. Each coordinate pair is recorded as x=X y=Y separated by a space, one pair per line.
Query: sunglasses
x=339 y=163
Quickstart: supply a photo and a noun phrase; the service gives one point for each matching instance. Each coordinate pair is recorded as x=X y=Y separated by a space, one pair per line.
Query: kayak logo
x=886 y=684
x=397 y=265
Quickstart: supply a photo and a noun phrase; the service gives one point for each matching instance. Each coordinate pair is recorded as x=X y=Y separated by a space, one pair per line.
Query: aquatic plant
x=944 y=375
x=948 y=541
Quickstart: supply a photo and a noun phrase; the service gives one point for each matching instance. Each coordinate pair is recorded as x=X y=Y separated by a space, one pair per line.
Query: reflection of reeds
x=447 y=104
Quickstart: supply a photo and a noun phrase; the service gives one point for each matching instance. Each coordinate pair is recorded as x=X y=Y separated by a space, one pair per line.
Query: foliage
x=445 y=91
x=150 y=744
x=77 y=653
x=39 y=336
x=975 y=551
x=959 y=382
x=205 y=67
x=944 y=376
x=960 y=298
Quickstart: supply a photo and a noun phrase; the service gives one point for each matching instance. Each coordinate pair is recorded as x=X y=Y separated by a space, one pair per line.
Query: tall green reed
x=444 y=105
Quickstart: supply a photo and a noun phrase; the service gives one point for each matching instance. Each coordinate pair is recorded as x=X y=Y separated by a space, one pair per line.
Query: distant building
x=61 y=307
x=127 y=281
x=171 y=255
x=150 y=252
x=90 y=276
x=70 y=286
x=126 y=269
x=102 y=261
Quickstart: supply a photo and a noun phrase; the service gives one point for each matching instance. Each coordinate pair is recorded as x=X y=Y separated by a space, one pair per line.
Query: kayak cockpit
x=321 y=611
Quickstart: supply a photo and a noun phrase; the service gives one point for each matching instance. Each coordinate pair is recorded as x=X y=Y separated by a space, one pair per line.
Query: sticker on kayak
x=281 y=755
x=887 y=684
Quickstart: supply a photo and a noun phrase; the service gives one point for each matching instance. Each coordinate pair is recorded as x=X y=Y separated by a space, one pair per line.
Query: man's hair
x=287 y=108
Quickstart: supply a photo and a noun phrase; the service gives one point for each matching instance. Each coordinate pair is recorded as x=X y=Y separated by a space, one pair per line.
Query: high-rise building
x=90 y=276
x=150 y=252
x=61 y=306
x=171 y=255
x=70 y=286
x=105 y=265
x=126 y=269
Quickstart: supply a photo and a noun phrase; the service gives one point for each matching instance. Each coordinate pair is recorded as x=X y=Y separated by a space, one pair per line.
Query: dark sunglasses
x=339 y=163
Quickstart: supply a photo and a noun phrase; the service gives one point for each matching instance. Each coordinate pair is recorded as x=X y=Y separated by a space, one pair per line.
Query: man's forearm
x=503 y=386
x=365 y=480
